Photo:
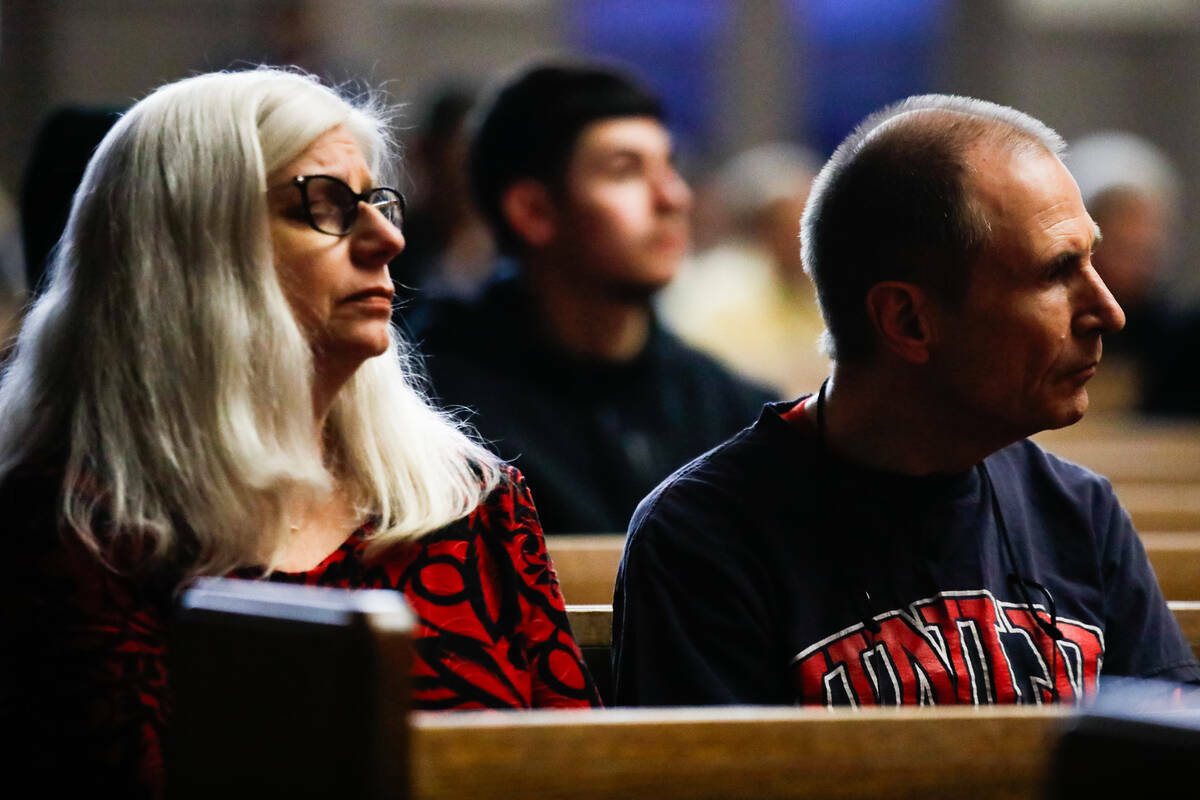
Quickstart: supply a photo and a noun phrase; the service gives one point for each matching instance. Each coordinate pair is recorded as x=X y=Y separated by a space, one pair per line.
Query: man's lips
x=1084 y=372
x=671 y=234
x=673 y=242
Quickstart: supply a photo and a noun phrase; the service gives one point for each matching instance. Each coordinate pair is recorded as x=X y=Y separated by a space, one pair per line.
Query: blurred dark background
x=735 y=72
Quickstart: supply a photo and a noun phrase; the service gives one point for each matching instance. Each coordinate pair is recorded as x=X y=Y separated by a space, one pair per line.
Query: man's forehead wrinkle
x=1066 y=237
x=1061 y=213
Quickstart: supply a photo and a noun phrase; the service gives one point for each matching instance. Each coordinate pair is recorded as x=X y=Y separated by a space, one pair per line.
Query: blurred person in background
x=450 y=250
x=13 y=285
x=561 y=354
x=1133 y=191
x=746 y=300
x=210 y=385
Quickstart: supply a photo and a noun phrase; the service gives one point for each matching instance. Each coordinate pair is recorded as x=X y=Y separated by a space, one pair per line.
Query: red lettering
x=969 y=664
x=1066 y=678
x=947 y=613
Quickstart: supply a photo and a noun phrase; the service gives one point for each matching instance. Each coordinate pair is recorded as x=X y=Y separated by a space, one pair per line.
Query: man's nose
x=672 y=191
x=1101 y=313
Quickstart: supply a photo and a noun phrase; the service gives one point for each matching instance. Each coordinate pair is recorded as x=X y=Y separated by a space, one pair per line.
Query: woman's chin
x=347 y=354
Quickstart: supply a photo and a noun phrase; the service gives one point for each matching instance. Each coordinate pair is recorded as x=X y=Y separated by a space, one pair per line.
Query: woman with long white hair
x=210 y=385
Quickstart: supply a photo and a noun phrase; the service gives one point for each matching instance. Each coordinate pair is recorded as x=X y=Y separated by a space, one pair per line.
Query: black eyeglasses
x=332 y=207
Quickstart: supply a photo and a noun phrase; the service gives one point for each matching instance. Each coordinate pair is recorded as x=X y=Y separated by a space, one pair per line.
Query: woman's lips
x=380 y=297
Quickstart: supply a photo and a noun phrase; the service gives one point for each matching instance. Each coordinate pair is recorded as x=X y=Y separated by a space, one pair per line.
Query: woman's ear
x=529 y=211
x=899 y=313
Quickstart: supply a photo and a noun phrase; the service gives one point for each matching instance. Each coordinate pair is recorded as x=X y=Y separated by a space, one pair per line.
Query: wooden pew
x=1130 y=449
x=244 y=648
x=698 y=753
x=1161 y=506
x=587 y=565
x=1175 y=557
x=1187 y=614
x=950 y=752
x=1153 y=464
x=592 y=624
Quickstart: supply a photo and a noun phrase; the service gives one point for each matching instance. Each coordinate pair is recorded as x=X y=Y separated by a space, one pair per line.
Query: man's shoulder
x=1035 y=472
x=1028 y=459
x=743 y=474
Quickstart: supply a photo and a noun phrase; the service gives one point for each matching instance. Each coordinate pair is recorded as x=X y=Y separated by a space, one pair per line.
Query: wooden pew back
x=1175 y=557
x=948 y=752
x=1161 y=506
x=592 y=624
x=587 y=565
x=289 y=691
x=997 y=752
x=1130 y=450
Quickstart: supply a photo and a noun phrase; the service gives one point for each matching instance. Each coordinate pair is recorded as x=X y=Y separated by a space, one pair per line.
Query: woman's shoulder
x=504 y=528
x=507 y=521
x=508 y=509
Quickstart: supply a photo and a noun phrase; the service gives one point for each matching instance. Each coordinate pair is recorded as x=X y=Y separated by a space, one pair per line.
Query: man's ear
x=528 y=207
x=900 y=314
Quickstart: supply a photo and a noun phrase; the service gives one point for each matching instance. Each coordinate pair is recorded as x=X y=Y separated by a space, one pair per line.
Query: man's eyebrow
x=1073 y=253
x=620 y=151
x=1097 y=236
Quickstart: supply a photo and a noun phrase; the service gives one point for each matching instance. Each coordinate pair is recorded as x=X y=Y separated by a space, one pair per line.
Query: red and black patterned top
x=84 y=662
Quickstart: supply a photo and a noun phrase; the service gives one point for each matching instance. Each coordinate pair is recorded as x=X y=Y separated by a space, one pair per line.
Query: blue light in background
x=854 y=57
x=860 y=55
x=670 y=44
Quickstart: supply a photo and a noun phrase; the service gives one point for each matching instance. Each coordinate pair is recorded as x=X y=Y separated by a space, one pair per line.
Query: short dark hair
x=529 y=128
x=894 y=203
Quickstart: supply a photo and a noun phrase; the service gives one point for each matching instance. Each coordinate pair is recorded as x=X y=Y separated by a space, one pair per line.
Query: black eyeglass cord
x=1022 y=585
x=1016 y=580
x=860 y=598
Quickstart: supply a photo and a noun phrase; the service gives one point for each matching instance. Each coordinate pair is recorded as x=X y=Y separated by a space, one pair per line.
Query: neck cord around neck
x=821 y=433
x=858 y=595
x=1015 y=579
x=1022 y=585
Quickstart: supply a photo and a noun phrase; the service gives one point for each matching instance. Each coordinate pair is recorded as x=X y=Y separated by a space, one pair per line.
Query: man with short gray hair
x=894 y=538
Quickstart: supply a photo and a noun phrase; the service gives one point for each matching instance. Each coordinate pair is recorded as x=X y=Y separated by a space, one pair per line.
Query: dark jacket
x=592 y=437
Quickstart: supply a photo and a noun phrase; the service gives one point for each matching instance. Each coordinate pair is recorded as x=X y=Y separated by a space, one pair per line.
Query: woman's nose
x=376 y=239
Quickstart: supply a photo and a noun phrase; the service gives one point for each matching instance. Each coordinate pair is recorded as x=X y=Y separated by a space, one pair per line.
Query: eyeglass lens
x=333 y=206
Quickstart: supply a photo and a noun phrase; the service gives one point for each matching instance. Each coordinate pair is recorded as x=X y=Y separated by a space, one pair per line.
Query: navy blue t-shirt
x=770 y=571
